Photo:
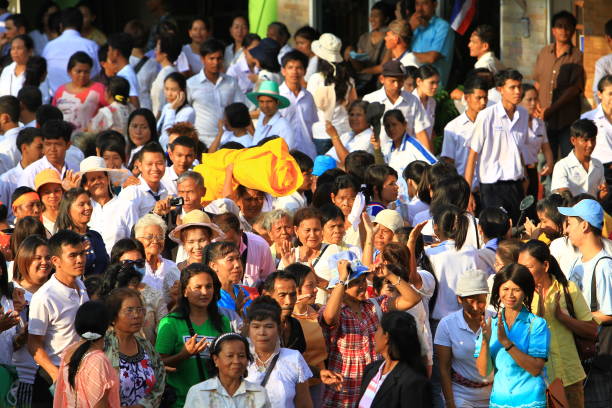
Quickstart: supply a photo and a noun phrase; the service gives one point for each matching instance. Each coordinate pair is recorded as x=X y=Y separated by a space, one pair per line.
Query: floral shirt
x=137 y=377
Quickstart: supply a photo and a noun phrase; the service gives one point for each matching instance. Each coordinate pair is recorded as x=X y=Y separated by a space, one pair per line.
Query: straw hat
x=196 y=218
x=328 y=47
x=271 y=89
x=47 y=176
x=95 y=163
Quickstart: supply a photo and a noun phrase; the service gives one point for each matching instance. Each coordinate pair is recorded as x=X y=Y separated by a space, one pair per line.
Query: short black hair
x=26 y=136
x=357 y=162
x=427 y=71
x=564 y=14
x=268 y=284
x=170 y=45
x=486 y=33
x=121 y=42
x=474 y=83
x=57 y=129
x=46 y=113
x=184 y=141
x=61 y=238
x=250 y=38
x=211 y=46
x=110 y=136
x=152 y=147
x=494 y=222
x=137 y=30
x=10 y=105
x=237 y=114
x=27 y=41
x=330 y=212
x=303 y=160
x=113 y=146
x=19 y=20
x=608 y=28
x=307 y=32
x=605 y=81
x=295 y=55
x=414 y=170
x=31 y=97
x=584 y=128
x=80 y=57
x=502 y=76
x=72 y=18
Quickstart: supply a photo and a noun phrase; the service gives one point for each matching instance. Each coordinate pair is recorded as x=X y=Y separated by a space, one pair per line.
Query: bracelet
x=341 y=282
x=399 y=279
x=509 y=347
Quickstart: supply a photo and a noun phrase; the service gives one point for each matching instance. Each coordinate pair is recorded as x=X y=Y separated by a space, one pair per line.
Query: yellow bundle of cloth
x=268 y=168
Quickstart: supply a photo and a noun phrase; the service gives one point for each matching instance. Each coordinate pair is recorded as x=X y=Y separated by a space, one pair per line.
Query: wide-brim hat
x=267 y=52
x=327 y=47
x=271 y=89
x=47 y=176
x=196 y=218
x=95 y=163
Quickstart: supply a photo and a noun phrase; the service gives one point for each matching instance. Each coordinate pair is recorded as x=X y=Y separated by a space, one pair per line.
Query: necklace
x=264 y=364
x=306 y=313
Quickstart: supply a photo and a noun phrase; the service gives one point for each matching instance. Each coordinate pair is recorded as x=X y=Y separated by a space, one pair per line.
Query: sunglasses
x=139 y=263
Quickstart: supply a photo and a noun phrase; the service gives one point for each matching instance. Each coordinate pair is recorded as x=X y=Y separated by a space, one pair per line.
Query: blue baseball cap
x=356 y=267
x=589 y=210
x=322 y=164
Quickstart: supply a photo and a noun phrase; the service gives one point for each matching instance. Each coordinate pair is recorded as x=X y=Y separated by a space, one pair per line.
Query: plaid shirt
x=350 y=344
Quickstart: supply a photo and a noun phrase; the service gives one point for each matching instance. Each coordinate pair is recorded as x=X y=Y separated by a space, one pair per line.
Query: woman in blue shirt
x=517 y=349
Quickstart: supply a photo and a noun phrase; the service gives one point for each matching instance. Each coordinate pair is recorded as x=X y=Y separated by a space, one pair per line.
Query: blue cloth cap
x=322 y=164
x=356 y=267
x=589 y=210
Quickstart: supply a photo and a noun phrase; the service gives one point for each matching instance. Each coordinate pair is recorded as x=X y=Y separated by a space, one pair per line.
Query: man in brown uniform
x=560 y=79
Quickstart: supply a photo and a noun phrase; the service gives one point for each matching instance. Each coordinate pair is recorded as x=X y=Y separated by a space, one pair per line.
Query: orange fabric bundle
x=268 y=168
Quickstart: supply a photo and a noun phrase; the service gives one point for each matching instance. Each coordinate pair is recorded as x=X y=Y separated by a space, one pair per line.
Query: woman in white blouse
x=238 y=30
x=357 y=139
x=12 y=77
x=283 y=372
x=177 y=109
x=230 y=355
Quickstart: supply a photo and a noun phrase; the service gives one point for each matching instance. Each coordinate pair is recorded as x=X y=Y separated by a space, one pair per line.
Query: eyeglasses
x=139 y=263
x=158 y=238
x=133 y=311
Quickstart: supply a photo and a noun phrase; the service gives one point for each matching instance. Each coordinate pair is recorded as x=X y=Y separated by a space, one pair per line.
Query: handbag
x=555 y=395
x=587 y=347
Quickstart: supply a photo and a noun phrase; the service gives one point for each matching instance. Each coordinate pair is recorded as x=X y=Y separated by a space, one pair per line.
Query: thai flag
x=463 y=14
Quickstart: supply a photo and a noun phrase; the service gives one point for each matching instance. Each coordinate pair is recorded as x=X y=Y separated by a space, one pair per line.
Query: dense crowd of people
x=293 y=222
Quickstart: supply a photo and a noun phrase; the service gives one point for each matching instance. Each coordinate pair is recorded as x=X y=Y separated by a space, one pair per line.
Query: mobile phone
x=176 y=201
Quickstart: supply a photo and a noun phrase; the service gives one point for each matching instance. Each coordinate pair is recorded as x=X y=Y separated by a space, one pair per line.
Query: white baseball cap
x=472 y=282
x=390 y=219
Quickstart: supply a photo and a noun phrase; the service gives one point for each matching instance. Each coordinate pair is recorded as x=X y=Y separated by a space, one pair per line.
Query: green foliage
x=445 y=112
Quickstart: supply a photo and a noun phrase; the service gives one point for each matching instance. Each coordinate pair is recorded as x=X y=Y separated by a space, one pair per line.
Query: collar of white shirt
x=285 y=91
x=69 y=32
x=143 y=186
x=572 y=161
x=500 y=111
x=202 y=78
x=271 y=122
x=214 y=384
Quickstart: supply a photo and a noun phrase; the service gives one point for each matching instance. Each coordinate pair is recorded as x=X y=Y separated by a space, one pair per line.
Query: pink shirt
x=259 y=262
x=95 y=377
x=79 y=109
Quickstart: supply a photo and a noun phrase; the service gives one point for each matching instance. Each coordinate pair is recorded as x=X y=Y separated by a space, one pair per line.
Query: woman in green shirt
x=184 y=335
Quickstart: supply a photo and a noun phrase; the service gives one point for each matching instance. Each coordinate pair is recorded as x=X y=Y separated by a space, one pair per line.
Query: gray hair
x=197 y=177
x=147 y=221
x=273 y=216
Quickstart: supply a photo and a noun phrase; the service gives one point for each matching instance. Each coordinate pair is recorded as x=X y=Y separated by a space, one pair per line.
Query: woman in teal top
x=184 y=335
x=517 y=349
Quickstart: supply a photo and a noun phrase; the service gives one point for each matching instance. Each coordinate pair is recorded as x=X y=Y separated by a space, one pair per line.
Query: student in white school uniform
x=271 y=122
x=146 y=68
x=427 y=82
x=199 y=31
x=393 y=96
x=245 y=69
x=49 y=331
x=177 y=109
x=602 y=116
x=9 y=126
x=119 y=50
x=167 y=51
x=236 y=126
x=30 y=145
x=182 y=154
x=579 y=172
x=480 y=47
x=499 y=133
x=302 y=111
x=458 y=132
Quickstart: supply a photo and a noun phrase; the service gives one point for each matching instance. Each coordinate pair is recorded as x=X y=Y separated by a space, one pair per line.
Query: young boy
x=392 y=96
x=9 y=126
x=56 y=140
x=480 y=45
x=46 y=113
x=167 y=51
x=297 y=200
x=579 y=172
x=119 y=50
x=302 y=112
x=499 y=132
x=271 y=123
x=235 y=127
x=30 y=145
x=459 y=130
x=602 y=116
x=182 y=153
x=30 y=99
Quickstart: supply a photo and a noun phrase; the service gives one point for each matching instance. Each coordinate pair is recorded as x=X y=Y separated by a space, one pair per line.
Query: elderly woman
x=160 y=273
x=279 y=226
x=74 y=214
x=230 y=355
x=195 y=232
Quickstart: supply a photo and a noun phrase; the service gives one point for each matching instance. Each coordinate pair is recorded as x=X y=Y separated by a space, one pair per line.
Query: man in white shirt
x=45 y=113
x=603 y=66
x=53 y=309
x=271 y=122
x=57 y=52
x=302 y=111
x=602 y=116
x=393 y=96
x=210 y=91
x=146 y=68
x=499 y=132
x=144 y=197
x=579 y=172
x=56 y=140
x=480 y=47
x=182 y=154
x=9 y=126
x=458 y=132
x=167 y=51
x=30 y=99
x=280 y=33
x=118 y=60
x=30 y=145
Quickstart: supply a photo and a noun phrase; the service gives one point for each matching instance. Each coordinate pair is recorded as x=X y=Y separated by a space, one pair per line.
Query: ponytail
x=75 y=361
x=452 y=222
x=540 y=251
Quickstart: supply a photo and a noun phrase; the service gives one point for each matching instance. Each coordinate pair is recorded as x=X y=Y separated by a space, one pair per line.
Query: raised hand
x=502 y=336
x=72 y=179
x=485 y=325
x=343 y=269
x=178 y=101
x=193 y=346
